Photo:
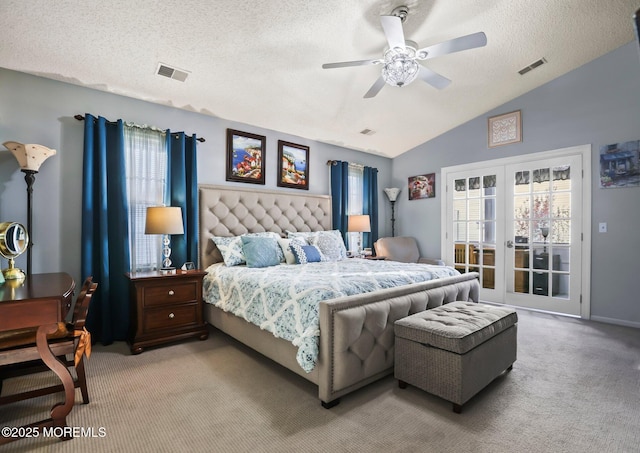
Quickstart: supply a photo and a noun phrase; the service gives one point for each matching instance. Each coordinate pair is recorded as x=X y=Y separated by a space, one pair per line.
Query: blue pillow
x=306 y=253
x=260 y=251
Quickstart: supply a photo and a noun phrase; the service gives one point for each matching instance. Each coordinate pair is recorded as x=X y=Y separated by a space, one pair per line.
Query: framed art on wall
x=422 y=186
x=293 y=170
x=505 y=129
x=245 y=157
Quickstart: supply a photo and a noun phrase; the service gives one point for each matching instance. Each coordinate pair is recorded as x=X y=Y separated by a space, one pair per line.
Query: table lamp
x=359 y=224
x=165 y=220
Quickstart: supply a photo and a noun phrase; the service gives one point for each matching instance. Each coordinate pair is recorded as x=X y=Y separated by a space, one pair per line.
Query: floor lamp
x=29 y=157
x=392 y=195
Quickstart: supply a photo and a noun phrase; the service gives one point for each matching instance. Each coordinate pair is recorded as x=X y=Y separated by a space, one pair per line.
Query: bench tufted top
x=457 y=326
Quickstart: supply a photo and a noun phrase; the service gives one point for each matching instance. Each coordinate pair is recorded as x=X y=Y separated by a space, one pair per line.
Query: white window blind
x=146 y=165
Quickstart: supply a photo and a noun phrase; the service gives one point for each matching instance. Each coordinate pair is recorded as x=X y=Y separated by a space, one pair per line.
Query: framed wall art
x=620 y=165
x=422 y=186
x=505 y=129
x=245 y=157
x=294 y=165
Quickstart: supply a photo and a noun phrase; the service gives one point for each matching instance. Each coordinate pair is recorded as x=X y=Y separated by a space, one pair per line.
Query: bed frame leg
x=330 y=404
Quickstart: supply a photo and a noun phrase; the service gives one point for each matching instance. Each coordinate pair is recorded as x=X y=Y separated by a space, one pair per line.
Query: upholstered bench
x=455 y=350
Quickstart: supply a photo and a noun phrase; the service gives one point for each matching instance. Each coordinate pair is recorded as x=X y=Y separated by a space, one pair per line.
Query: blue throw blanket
x=284 y=299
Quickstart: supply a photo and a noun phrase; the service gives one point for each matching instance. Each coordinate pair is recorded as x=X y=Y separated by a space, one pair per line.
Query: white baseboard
x=619 y=322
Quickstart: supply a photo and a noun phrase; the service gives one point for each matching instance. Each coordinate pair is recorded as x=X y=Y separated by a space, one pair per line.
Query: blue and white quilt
x=284 y=299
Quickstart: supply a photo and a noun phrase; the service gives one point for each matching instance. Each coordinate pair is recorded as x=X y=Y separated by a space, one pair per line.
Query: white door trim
x=585 y=152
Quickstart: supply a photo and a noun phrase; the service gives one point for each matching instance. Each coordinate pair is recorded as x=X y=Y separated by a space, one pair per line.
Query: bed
x=356 y=340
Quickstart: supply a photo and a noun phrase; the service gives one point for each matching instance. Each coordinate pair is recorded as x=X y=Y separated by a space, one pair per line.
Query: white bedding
x=284 y=299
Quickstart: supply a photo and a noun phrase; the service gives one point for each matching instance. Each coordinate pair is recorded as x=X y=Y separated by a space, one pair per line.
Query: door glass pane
x=460 y=210
x=522 y=208
x=541 y=206
x=560 y=285
x=460 y=231
x=540 y=179
x=521 y=258
x=521 y=282
x=460 y=188
x=521 y=231
x=489 y=232
x=474 y=212
x=561 y=202
x=489 y=208
x=561 y=232
x=460 y=255
x=474 y=187
x=473 y=229
x=562 y=263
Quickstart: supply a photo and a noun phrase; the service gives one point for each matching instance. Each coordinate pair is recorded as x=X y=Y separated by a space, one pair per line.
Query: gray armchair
x=404 y=249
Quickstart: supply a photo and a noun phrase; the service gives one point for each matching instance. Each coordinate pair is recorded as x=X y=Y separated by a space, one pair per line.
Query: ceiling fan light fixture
x=400 y=67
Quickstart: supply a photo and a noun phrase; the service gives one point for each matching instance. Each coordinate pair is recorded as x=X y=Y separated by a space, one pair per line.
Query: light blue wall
x=39 y=110
x=597 y=104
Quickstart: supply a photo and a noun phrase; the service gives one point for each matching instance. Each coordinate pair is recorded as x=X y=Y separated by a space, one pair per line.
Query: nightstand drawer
x=170 y=317
x=175 y=292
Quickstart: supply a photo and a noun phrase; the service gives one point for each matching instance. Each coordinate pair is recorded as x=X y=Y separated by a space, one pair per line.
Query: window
x=356 y=194
x=146 y=161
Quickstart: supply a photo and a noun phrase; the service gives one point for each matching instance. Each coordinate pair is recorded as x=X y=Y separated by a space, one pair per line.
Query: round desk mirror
x=14 y=241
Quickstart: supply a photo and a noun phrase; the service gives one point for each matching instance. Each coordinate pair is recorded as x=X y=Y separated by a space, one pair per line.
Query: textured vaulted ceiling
x=259 y=61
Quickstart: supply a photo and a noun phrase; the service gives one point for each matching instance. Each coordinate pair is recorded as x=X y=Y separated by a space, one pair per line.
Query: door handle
x=510 y=244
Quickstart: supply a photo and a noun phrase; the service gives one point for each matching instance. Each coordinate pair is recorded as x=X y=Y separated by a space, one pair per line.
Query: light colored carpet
x=574 y=388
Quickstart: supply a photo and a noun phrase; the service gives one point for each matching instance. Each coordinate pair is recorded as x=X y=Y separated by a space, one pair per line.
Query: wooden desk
x=41 y=300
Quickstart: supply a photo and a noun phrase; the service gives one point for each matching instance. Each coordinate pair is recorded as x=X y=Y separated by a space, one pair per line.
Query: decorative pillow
x=289 y=257
x=305 y=236
x=306 y=253
x=260 y=251
x=330 y=244
x=269 y=234
x=231 y=249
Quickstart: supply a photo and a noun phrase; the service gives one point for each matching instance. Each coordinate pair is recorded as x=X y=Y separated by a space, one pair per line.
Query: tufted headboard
x=232 y=211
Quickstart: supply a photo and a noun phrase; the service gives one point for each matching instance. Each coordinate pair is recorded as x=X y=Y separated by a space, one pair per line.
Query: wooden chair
x=20 y=354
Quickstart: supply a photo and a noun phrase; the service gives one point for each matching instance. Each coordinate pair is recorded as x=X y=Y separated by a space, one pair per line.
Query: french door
x=520 y=225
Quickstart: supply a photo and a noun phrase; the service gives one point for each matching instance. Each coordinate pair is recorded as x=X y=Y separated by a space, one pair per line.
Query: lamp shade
x=392 y=193
x=359 y=224
x=29 y=156
x=164 y=220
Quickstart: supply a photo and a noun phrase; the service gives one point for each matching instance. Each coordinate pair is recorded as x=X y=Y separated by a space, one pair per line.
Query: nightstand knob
x=171 y=316
x=171 y=292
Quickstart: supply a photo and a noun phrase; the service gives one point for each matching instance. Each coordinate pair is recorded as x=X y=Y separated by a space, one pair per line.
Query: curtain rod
x=81 y=118
x=354 y=164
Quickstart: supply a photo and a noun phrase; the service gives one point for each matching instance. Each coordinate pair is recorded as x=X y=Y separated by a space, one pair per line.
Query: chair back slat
x=81 y=306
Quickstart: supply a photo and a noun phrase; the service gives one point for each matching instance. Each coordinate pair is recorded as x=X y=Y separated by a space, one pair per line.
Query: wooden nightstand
x=165 y=308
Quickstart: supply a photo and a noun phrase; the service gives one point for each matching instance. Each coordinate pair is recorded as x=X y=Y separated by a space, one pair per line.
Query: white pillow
x=289 y=257
x=330 y=244
x=231 y=249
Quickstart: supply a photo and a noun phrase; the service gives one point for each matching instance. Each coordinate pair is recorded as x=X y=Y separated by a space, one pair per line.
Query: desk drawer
x=30 y=313
x=175 y=292
x=170 y=317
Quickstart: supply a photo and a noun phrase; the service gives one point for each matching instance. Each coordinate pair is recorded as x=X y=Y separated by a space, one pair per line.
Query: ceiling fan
x=400 y=64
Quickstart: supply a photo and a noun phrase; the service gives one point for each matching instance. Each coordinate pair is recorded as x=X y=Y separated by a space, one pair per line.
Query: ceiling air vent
x=367 y=132
x=172 y=73
x=532 y=66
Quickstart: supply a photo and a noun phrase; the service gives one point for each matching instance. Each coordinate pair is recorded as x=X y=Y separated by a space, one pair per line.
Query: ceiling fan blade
x=346 y=64
x=433 y=78
x=455 y=45
x=392 y=26
x=375 y=88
